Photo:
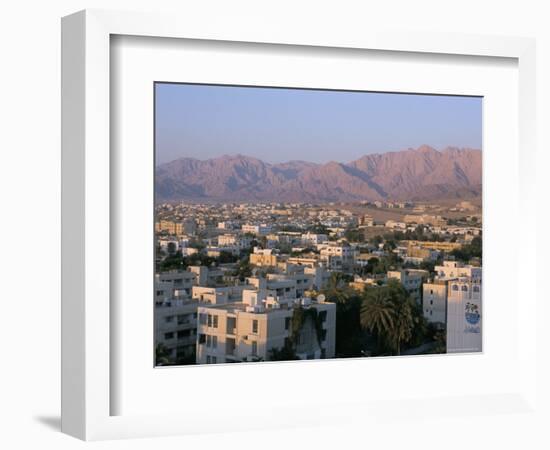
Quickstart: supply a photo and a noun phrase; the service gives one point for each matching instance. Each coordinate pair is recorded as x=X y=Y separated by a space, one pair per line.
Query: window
x=255 y=326
x=254 y=348
x=431 y=291
x=287 y=323
x=323 y=335
x=214 y=341
x=182 y=319
x=464 y=288
x=215 y=321
x=184 y=334
x=476 y=288
x=231 y=323
x=230 y=346
x=214 y=360
x=209 y=320
x=169 y=319
x=202 y=338
x=202 y=319
x=208 y=340
x=455 y=287
x=323 y=316
x=431 y=302
x=169 y=335
x=208 y=359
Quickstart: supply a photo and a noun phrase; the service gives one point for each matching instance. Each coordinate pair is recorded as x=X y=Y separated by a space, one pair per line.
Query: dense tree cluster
x=381 y=320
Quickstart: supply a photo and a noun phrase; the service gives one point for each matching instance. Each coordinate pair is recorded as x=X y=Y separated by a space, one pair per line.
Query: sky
x=279 y=125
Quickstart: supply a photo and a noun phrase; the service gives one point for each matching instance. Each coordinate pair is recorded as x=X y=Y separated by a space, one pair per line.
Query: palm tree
x=403 y=323
x=376 y=312
x=388 y=312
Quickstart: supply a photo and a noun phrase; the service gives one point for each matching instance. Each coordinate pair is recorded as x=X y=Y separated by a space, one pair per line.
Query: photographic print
x=301 y=224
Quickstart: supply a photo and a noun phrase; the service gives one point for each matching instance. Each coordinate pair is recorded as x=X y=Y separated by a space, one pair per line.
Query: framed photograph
x=256 y=221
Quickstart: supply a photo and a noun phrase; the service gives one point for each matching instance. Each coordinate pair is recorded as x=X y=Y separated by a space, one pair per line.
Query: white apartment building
x=176 y=327
x=411 y=279
x=292 y=285
x=260 y=230
x=395 y=225
x=174 y=284
x=454 y=269
x=464 y=315
x=233 y=240
x=207 y=276
x=249 y=330
x=434 y=301
x=321 y=276
x=336 y=256
x=219 y=295
x=313 y=238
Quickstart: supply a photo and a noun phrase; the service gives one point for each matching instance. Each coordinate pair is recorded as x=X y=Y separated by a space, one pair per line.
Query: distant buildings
x=241 y=308
x=187 y=226
x=424 y=219
x=260 y=230
x=314 y=238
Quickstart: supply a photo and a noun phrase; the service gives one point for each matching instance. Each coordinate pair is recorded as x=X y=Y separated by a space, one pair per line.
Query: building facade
x=250 y=330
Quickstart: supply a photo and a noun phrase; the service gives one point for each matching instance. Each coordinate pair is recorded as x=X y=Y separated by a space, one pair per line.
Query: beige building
x=187 y=226
x=434 y=245
x=251 y=329
x=425 y=219
x=263 y=257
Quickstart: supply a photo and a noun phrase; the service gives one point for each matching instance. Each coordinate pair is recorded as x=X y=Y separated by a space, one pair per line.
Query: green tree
x=285 y=353
x=354 y=235
x=171 y=248
x=162 y=355
x=349 y=334
x=403 y=325
x=388 y=312
x=377 y=311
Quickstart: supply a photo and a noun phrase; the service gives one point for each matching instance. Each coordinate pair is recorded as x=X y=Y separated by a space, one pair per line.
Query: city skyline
x=279 y=125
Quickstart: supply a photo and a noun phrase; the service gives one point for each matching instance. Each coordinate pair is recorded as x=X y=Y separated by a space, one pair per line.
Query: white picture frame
x=87 y=383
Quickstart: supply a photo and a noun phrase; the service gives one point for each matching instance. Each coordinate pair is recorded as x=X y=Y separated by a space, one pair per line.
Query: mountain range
x=413 y=174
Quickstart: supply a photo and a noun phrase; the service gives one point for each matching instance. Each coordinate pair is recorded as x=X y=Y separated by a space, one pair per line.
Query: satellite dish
x=321 y=298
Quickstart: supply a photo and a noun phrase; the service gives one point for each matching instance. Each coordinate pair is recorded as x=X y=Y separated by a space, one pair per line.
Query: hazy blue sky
x=278 y=125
